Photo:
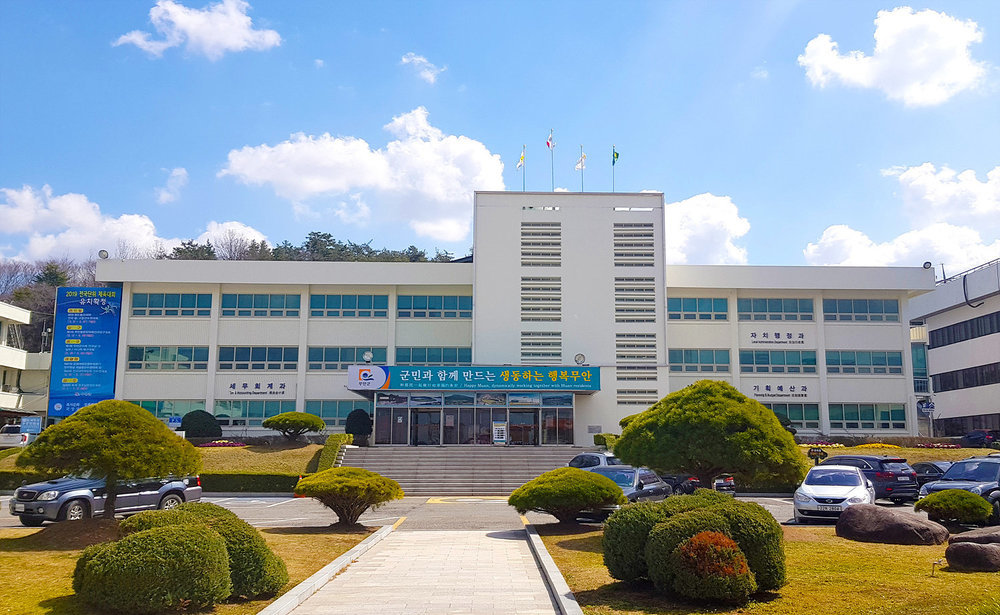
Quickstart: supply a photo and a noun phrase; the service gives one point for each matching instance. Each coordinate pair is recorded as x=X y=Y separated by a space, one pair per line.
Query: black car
x=930 y=471
x=892 y=477
x=979 y=475
x=979 y=438
x=638 y=485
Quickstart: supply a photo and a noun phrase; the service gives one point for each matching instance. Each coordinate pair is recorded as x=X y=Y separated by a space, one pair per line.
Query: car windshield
x=614 y=461
x=833 y=478
x=975 y=471
x=897 y=467
x=622 y=478
x=85 y=474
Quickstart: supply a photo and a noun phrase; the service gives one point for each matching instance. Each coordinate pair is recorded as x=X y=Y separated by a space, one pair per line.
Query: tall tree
x=52 y=274
x=191 y=250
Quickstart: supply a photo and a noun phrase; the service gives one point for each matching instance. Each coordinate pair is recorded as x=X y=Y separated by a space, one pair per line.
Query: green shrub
x=701 y=498
x=200 y=424
x=206 y=510
x=607 y=440
x=294 y=424
x=709 y=566
x=165 y=568
x=243 y=482
x=566 y=492
x=9 y=451
x=349 y=492
x=359 y=424
x=625 y=534
x=332 y=447
x=12 y=479
x=955 y=505
x=760 y=539
x=667 y=536
x=148 y=519
x=600 y=440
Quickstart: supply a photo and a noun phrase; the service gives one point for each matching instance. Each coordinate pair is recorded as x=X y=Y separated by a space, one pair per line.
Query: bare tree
x=15 y=274
x=128 y=250
x=232 y=246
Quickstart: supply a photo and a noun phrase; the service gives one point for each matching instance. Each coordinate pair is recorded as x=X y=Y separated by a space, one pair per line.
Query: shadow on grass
x=284 y=445
x=313 y=463
x=64 y=605
x=565 y=529
x=335 y=528
x=590 y=544
x=64 y=536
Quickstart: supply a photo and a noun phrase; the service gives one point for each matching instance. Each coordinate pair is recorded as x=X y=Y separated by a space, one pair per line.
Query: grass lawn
x=36 y=566
x=293 y=458
x=827 y=575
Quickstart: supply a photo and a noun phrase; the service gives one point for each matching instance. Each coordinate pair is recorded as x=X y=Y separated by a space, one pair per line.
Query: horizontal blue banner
x=475 y=378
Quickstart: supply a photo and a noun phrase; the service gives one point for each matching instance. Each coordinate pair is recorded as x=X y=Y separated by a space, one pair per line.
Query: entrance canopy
x=362 y=378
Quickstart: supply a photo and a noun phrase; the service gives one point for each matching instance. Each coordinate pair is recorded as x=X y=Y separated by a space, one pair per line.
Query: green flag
x=614 y=156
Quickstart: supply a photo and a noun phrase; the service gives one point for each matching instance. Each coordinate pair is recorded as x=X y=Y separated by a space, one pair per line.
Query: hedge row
x=12 y=479
x=330 y=450
x=248 y=482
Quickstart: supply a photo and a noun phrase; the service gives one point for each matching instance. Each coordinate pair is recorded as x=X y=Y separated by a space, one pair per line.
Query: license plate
x=829 y=508
x=18 y=507
x=903 y=478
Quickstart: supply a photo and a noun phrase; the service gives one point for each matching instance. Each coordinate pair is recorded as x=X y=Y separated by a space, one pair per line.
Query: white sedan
x=827 y=491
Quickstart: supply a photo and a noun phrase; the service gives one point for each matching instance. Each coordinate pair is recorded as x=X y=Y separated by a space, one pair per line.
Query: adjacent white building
x=23 y=375
x=565 y=320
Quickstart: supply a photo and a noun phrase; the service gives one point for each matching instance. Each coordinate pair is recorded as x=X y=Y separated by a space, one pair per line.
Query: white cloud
x=318 y=63
x=760 y=72
x=354 y=211
x=703 y=229
x=932 y=195
x=921 y=58
x=216 y=231
x=45 y=225
x=212 y=31
x=426 y=71
x=176 y=181
x=423 y=177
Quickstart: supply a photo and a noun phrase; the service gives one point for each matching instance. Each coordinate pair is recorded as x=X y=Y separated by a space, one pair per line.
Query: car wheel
x=667 y=491
x=898 y=501
x=171 y=500
x=31 y=522
x=74 y=510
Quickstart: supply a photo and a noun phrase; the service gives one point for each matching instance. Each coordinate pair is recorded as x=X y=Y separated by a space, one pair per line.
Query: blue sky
x=780 y=133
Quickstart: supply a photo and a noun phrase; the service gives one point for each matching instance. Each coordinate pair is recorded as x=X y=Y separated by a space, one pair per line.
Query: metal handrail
x=967 y=272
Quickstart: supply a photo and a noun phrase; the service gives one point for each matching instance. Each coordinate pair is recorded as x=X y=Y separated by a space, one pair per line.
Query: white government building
x=566 y=320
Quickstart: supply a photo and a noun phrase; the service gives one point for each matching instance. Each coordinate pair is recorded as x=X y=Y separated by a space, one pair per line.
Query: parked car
x=638 y=485
x=828 y=490
x=979 y=438
x=11 y=436
x=892 y=477
x=679 y=483
x=929 y=471
x=979 y=475
x=593 y=460
x=72 y=498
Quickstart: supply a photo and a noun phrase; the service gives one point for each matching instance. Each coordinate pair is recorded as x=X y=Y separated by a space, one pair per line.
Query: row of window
x=258 y=358
x=987 y=324
x=252 y=413
x=803 y=416
x=774 y=309
x=168 y=358
x=339 y=357
x=434 y=306
x=288 y=306
x=447 y=356
x=701 y=308
x=978 y=376
x=171 y=304
x=260 y=305
x=787 y=361
x=867 y=416
x=871 y=310
x=863 y=362
x=693 y=360
x=349 y=306
x=778 y=361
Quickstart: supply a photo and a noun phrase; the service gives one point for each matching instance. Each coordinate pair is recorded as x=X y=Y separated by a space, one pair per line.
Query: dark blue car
x=892 y=477
x=979 y=475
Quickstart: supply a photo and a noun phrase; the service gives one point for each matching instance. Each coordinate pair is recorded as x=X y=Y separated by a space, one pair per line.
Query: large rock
x=984 y=536
x=871 y=523
x=973 y=557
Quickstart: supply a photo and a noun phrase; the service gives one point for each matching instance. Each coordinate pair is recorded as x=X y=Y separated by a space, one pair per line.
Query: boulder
x=871 y=523
x=973 y=557
x=984 y=536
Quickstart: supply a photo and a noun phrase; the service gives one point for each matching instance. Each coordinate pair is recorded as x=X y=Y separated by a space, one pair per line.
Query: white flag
x=520 y=162
x=581 y=164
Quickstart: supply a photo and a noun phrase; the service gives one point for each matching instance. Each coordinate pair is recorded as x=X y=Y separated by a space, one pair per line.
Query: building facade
x=566 y=320
x=23 y=375
x=961 y=318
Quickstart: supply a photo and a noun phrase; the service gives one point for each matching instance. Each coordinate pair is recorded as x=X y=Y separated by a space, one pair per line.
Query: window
x=702 y=308
x=349 y=306
x=166 y=408
x=967 y=378
x=258 y=358
x=799 y=415
x=434 y=306
x=774 y=309
x=253 y=413
x=171 y=304
x=692 y=360
x=864 y=362
x=434 y=356
x=870 y=310
x=168 y=358
x=987 y=324
x=867 y=416
x=334 y=411
x=778 y=361
x=339 y=357
x=260 y=305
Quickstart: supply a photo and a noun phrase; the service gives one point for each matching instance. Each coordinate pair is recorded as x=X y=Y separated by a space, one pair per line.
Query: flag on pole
x=581 y=164
x=614 y=156
x=520 y=162
x=550 y=142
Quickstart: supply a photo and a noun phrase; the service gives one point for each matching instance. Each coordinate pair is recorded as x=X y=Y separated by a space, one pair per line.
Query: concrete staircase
x=459 y=470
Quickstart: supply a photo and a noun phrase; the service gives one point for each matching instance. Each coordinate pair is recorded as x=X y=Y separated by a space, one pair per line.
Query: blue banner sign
x=475 y=378
x=31 y=424
x=84 y=348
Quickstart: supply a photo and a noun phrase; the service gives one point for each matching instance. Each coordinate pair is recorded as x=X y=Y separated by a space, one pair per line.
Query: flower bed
x=937 y=445
x=877 y=445
x=221 y=444
x=821 y=443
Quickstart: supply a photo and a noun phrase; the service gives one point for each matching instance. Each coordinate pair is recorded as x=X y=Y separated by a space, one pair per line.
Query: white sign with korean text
x=254 y=386
x=778 y=334
x=781 y=389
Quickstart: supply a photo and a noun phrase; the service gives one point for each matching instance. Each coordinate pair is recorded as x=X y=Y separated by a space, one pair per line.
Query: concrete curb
x=558 y=588
x=298 y=594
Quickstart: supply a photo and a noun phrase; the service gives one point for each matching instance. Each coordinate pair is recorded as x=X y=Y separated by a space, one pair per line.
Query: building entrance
x=523 y=427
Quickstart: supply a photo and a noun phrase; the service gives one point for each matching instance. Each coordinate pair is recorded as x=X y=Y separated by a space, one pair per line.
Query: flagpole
x=552 y=162
x=582 y=167
x=524 y=168
x=612 y=168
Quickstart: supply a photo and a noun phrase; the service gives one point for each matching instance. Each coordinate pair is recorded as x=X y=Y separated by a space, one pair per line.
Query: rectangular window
x=339 y=357
x=434 y=306
x=171 y=304
x=774 y=309
x=987 y=324
x=249 y=413
x=257 y=358
x=691 y=360
x=861 y=310
x=803 y=416
x=168 y=358
x=334 y=411
x=446 y=356
x=697 y=309
x=980 y=375
x=261 y=305
x=166 y=408
x=349 y=306
x=866 y=416
x=778 y=361
x=877 y=362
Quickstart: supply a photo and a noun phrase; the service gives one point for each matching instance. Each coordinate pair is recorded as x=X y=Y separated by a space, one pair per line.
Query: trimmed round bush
x=359 y=425
x=200 y=424
x=710 y=566
x=625 y=535
x=566 y=492
x=349 y=492
x=148 y=519
x=206 y=510
x=760 y=539
x=701 y=498
x=164 y=568
x=955 y=505
x=665 y=537
x=294 y=424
